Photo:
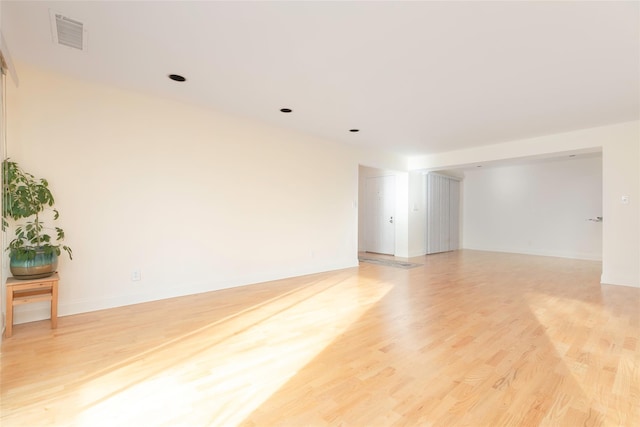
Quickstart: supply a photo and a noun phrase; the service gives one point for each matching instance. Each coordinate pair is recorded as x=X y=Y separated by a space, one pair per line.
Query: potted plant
x=33 y=252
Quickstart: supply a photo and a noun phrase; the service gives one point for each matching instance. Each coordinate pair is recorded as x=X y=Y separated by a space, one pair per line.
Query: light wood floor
x=468 y=339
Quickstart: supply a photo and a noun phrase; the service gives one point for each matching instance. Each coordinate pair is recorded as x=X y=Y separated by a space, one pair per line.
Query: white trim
x=4 y=50
x=455 y=178
x=41 y=311
x=555 y=254
x=619 y=281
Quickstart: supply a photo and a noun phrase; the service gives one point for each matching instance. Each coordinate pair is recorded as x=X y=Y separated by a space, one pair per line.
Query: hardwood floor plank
x=468 y=338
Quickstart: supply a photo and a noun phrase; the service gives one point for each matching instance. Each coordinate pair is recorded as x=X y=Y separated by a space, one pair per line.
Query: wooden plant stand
x=28 y=291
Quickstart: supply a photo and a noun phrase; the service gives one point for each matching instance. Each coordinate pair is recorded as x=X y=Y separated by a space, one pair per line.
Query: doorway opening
x=377 y=213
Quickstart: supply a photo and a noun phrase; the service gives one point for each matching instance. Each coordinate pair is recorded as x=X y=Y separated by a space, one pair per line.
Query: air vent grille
x=67 y=31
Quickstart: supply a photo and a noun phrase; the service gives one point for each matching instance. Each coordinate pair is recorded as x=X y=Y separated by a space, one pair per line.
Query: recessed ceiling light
x=177 y=78
x=354 y=130
x=286 y=110
x=572 y=155
x=479 y=166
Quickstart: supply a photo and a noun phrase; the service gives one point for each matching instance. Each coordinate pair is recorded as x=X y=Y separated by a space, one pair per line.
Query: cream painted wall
x=620 y=171
x=195 y=199
x=199 y=200
x=539 y=208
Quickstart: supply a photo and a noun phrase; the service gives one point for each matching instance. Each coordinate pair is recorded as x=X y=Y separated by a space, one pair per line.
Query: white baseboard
x=556 y=254
x=619 y=281
x=41 y=311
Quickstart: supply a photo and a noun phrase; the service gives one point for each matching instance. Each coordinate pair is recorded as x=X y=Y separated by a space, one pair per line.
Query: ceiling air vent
x=67 y=31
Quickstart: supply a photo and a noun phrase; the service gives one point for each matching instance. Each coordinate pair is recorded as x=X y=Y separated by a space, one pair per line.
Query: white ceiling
x=415 y=77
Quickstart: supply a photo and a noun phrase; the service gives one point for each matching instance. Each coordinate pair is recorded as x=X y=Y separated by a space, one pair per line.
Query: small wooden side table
x=28 y=291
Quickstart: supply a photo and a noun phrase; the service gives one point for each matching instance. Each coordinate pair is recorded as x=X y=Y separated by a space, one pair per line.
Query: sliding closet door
x=436 y=214
x=454 y=214
x=443 y=204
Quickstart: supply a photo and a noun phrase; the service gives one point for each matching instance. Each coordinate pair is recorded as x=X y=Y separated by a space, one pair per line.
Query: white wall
x=195 y=199
x=417 y=214
x=621 y=172
x=620 y=176
x=539 y=208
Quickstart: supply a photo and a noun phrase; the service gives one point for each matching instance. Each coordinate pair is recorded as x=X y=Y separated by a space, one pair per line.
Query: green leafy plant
x=27 y=198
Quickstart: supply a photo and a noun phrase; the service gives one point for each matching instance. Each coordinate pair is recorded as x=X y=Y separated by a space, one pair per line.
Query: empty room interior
x=320 y=213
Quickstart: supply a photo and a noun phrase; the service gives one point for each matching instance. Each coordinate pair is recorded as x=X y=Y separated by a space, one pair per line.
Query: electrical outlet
x=135 y=275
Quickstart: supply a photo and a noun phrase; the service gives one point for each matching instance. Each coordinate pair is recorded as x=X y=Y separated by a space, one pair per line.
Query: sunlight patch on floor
x=588 y=358
x=224 y=372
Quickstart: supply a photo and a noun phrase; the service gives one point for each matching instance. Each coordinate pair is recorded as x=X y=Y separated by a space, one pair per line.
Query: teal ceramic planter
x=43 y=265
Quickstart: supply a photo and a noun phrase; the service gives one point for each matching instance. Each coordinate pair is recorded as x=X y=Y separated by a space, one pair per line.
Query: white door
x=380 y=230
